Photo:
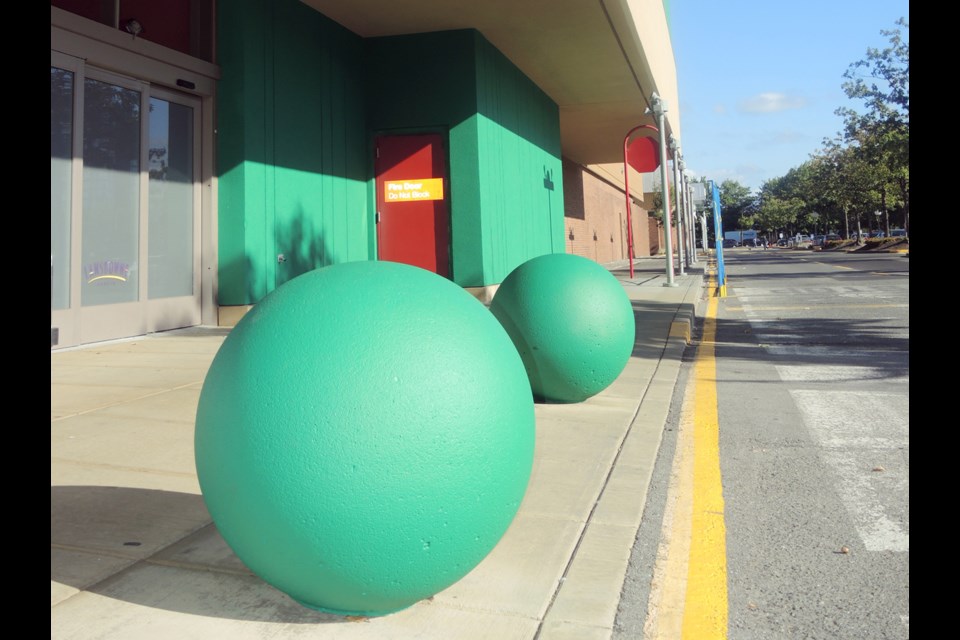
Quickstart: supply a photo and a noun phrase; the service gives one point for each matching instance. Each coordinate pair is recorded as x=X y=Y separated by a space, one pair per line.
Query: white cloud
x=720 y=109
x=771 y=102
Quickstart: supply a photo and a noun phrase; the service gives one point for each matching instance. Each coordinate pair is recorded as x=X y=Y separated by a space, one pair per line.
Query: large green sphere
x=571 y=322
x=364 y=437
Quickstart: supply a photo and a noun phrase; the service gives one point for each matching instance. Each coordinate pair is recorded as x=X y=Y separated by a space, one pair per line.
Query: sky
x=759 y=80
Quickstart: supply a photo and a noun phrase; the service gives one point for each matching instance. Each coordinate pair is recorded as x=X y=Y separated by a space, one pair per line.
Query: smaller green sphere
x=572 y=323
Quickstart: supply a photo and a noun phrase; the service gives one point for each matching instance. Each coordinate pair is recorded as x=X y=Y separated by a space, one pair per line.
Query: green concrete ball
x=572 y=323
x=364 y=437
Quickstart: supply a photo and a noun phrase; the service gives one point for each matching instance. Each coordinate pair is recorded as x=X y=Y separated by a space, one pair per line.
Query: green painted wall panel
x=292 y=153
x=298 y=105
x=504 y=139
x=467 y=223
x=520 y=166
x=321 y=212
x=240 y=154
x=421 y=80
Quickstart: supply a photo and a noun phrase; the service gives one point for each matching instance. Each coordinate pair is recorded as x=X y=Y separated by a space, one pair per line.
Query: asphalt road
x=811 y=356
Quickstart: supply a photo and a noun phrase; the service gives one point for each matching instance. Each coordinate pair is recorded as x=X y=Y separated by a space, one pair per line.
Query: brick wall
x=655 y=238
x=595 y=225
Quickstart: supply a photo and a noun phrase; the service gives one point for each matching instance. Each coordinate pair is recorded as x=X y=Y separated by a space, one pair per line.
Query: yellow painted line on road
x=705 y=610
x=688 y=596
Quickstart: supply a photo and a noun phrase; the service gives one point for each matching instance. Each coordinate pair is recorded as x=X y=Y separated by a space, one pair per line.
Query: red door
x=413 y=222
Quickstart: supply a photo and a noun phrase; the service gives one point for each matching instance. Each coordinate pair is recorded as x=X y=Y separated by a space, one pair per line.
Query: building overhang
x=600 y=61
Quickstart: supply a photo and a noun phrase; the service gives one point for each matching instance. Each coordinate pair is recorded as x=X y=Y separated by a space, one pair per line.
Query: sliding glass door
x=125 y=206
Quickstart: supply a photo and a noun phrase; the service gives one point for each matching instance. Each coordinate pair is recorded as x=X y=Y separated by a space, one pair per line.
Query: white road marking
x=835 y=373
x=851 y=428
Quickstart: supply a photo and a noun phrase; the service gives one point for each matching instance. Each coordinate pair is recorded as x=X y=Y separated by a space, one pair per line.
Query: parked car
x=729 y=243
x=898 y=233
x=817 y=241
x=832 y=237
x=877 y=234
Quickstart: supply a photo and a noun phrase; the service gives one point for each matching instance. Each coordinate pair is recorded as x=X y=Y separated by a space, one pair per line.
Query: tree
x=790 y=200
x=735 y=201
x=776 y=214
x=851 y=184
x=882 y=132
x=656 y=205
x=887 y=94
x=863 y=169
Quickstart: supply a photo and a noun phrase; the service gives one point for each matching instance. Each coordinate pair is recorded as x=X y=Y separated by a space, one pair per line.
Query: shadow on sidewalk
x=142 y=546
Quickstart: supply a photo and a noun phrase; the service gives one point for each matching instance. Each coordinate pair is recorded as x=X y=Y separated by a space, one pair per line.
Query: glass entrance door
x=125 y=207
x=173 y=220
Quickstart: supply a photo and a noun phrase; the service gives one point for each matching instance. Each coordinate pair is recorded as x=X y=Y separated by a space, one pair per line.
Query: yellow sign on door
x=410 y=190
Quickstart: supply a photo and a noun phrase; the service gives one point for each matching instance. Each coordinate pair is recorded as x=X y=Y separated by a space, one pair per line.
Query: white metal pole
x=677 y=191
x=690 y=230
x=688 y=212
x=703 y=230
x=659 y=108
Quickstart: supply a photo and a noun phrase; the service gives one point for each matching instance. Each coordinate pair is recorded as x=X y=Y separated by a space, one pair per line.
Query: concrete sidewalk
x=135 y=555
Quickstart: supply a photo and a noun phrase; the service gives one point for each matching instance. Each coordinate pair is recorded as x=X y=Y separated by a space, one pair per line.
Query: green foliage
x=733 y=194
x=885 y=89
x=656 y=206
x=736 y=201
x=865 y=168
x=778 y=213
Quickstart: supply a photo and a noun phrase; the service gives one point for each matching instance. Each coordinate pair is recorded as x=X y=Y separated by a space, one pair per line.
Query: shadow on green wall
x=238 y=270
x=300 y=248
x=302 y=245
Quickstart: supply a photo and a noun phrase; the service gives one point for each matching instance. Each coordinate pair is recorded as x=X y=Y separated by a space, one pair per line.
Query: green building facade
x=297 y=115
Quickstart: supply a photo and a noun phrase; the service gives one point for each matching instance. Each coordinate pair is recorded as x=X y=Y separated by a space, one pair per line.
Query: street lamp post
x=878 y=213
x=704 y=234
x=658 y=107
x=677 y=190
x=690 y=215
x=688 y=231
